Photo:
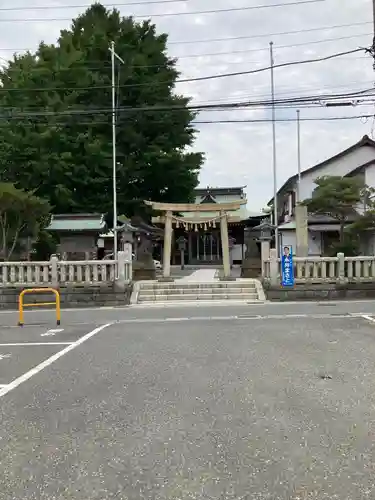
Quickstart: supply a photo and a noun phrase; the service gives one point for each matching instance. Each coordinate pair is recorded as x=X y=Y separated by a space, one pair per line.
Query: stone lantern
x=265 y=229
x=181 y=242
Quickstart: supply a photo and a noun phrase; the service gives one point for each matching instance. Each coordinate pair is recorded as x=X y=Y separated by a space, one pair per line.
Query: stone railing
x=323 y=269
x=59 y=272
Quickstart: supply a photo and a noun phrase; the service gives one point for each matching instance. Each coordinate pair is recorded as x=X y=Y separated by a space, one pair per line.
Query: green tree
x=337 y=197
x=56 y=136
x=22 y=215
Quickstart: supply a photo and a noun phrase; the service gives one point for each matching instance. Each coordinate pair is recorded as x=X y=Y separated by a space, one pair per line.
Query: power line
x=282 y=65
x=248 y=37
x=278 y=47
x=60 y=7
x=211 y=54
x=99 y=65
x=208 y=122
x=269 y=35
x=318 y=100
x=174 y=14
x=200 y=78
x=281 y=120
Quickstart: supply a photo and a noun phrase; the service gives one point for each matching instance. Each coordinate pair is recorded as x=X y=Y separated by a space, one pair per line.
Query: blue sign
x=287 y=270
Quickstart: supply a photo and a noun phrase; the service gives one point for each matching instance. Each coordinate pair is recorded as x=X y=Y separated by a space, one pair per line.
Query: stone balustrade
x=339 y=269
x=60 y=273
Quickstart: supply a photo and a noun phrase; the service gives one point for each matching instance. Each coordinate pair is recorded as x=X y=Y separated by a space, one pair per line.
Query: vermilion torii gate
x=220 y=217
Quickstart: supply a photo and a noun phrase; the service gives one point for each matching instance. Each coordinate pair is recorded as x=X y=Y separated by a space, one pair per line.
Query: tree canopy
x=337 y=197
x=22 y=214
x=56 y=135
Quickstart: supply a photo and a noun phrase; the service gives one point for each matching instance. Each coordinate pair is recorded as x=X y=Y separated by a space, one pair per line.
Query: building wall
x=342 y=166
x=370 y=175
x=288 y=238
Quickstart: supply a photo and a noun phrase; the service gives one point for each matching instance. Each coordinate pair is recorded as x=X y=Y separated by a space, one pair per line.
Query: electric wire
x=183 y=13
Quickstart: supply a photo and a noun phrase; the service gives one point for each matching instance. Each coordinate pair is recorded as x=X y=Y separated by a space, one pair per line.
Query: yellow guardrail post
x=21 y=305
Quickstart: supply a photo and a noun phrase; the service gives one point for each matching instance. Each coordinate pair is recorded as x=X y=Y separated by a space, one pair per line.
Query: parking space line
x=34 y=371
x=368 y=318
x=3 y=385
x=51 y=333
x=18 y=344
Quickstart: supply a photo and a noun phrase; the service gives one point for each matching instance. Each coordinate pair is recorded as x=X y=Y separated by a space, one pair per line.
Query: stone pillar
x=121 y=271
x=274 y=268
x=54 y=271
x=265 y=254
x=302 y=244
x=128 y=260
x=225 y=244
x=341 y=267
x=167 y=245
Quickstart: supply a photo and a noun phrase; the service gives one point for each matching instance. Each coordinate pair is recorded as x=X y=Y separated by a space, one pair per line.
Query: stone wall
x=72 y=296
x=324 y=291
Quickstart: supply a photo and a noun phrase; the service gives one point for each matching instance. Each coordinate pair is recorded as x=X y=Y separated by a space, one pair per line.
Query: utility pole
x=299 y=155
x=114 y=159
x=275 y=211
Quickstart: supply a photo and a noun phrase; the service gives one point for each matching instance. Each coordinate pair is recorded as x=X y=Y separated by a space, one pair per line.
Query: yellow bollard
x=21 y=305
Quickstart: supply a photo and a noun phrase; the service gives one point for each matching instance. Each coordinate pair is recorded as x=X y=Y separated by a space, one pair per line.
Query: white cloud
x=242 y=153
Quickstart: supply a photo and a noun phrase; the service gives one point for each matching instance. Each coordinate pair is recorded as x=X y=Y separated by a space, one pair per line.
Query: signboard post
x=287 y=269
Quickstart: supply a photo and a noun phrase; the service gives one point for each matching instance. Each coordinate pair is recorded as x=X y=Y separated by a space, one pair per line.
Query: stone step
x=196 y=291
x=201 y=286
x=193 y=297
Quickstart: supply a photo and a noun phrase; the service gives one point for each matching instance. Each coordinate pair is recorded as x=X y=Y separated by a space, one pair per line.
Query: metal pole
x=114 y=180
x=299 y=155
x=275 y=211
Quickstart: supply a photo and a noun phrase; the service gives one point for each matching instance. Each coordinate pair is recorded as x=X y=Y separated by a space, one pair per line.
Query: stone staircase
x=242 y=290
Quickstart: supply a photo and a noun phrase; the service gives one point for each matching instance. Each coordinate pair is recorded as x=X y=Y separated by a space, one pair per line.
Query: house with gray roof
x=357 y=160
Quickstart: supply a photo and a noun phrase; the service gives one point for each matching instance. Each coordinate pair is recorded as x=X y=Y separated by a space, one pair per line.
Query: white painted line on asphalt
x=2 y=385
x=4 y=356
x=17 y=344
x=368 y=318
x=51 y=333
x=26 y=376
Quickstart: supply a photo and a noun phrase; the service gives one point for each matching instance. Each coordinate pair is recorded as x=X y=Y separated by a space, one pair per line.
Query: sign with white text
x=287 y=269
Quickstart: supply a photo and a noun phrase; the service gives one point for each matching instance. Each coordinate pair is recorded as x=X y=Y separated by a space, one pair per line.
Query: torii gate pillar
x=167 y=245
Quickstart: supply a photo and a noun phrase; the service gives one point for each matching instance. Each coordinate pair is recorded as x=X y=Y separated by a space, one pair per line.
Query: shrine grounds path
x=272 y=401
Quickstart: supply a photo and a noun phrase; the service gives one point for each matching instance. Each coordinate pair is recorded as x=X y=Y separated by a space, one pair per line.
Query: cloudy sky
x=238 y=40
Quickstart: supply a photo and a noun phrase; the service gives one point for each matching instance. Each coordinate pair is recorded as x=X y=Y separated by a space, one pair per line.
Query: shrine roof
x=77 y=222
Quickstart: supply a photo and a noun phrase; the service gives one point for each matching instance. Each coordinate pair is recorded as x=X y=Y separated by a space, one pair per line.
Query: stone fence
x=58 y=273
x=339 y=269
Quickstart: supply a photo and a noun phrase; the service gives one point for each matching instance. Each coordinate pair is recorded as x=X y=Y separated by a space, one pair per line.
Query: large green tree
x=55 y=133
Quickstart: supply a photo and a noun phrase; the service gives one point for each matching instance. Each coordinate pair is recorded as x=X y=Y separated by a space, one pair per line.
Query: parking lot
x=230 y=403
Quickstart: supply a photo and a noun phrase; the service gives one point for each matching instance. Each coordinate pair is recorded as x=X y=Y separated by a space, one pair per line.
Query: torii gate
x=169 y=219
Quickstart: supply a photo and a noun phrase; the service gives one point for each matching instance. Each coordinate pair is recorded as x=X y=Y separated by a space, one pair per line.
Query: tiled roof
x=77 y=222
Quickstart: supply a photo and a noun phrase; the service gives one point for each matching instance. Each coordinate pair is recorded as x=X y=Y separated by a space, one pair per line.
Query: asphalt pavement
x=272 y=401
